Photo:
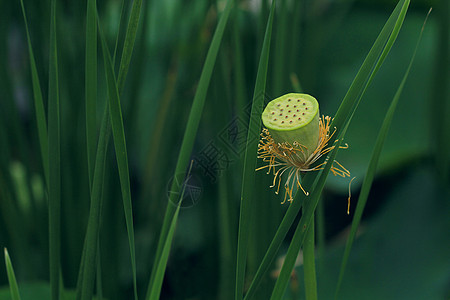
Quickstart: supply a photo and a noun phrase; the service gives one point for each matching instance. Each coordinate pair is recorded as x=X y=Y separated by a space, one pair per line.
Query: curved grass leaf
x=342 y=116
x=14 y=289
x=311 y=204
x=155 y=290
x=128 y=46
x=248 y=182
x=38 y=101
x=189 y=137
x=368 y=179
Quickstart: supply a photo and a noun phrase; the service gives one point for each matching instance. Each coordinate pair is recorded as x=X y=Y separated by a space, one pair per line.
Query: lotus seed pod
x=293 y=118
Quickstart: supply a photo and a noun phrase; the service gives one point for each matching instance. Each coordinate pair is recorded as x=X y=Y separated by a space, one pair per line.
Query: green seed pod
x=293 y=118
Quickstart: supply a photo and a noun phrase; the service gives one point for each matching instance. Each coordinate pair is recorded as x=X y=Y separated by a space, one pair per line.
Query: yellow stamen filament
x=292 y=158
x=349 y=196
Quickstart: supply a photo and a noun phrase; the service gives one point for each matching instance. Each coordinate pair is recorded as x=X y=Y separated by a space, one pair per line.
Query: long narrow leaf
x=118 y=129
x=14 y=289
x=38 y=101
x=248 y=181
x=371 y=170
x=91 y=86
x=88 y=266
x=128 y=46
x=305 y=221
x=371 y=65
x=190 y=133
x=343 y=114
x=121 y=151
x=54 y=186
x=160 y=270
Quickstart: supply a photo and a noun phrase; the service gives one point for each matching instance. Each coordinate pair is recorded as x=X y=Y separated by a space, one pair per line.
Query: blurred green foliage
x=402 y=252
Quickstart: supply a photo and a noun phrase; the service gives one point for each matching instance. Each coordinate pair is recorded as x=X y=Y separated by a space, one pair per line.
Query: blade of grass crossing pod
x=161 y=269
x=190 y=133
x=248 y=182
x=91 y=86
x=85 y=290
x=343 y=114
x=54 y=186
x=128 y=46
x=121 y=151
x=304 y=225
x=371 y=64
x=14 y=289
x=38 y=101
x=370 y=174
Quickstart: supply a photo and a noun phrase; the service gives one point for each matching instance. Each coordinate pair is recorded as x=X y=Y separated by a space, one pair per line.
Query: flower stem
x=309 y=264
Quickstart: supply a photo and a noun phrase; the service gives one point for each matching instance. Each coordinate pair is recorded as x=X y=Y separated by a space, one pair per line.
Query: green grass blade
x=88 y=265
x=161 y=268
x=38 y=101
x=190 y=133
x=121 y=20
x=309 y=265
x=371 y=170
x=371 y=65
x=14 y=289
x=128 y=46
x=121 y=151
x=357 y=86
x=343 y=115
x=248 y=182
x=239 y=74
x=54 y=158
x=91 y=86
x=303 y=225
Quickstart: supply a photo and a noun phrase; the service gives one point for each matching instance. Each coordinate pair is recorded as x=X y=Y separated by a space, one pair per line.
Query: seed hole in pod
x=282 y=122
x=294 y=116
x=275 y=119
x=281 y=114
x=281 y=109
x=273 y=113
x=304 y=103
x=278 y=105
x=289 y=111
x=289 y=100
x=295 y=106
x=287 y=105
x=297 y=110
x=290 y=121
x=286 y=117
x=299 y=119
x=298 y=100
x=306 y=108
x=303 y=113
